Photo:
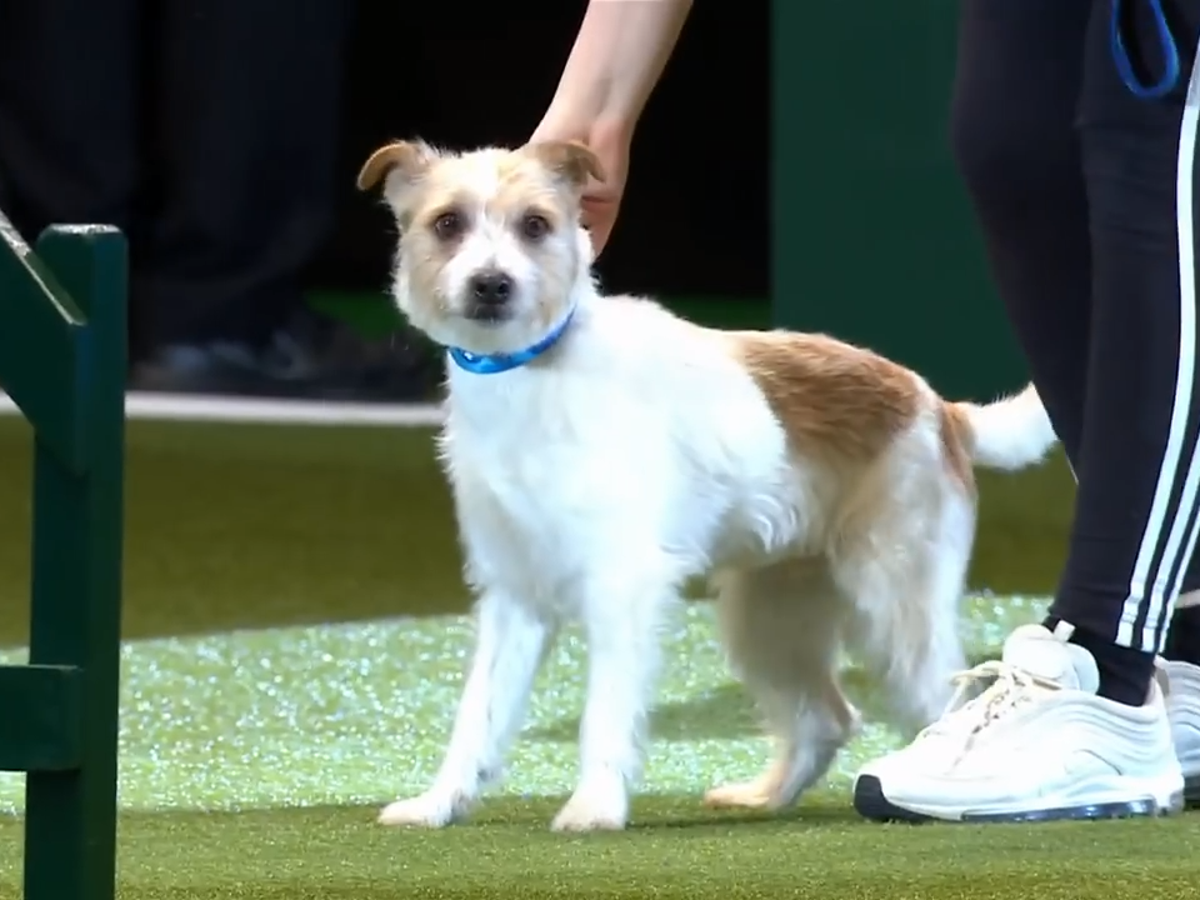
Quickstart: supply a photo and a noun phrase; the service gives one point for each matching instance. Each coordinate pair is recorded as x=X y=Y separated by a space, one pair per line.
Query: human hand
x=610 y=141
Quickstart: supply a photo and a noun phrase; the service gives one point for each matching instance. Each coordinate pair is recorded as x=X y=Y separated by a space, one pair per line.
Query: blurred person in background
x=207 y=132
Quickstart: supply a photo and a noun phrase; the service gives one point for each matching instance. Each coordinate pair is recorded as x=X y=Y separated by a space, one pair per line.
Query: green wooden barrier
x=874 y=240
x=63 y=362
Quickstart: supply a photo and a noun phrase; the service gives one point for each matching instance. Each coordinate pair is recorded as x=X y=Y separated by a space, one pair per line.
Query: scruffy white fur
x=642 y=450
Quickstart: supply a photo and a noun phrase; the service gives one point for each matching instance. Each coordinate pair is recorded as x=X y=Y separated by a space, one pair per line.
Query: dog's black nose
x=492 y=288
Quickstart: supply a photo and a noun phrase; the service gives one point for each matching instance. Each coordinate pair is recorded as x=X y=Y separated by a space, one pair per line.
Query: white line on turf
x=179 y=407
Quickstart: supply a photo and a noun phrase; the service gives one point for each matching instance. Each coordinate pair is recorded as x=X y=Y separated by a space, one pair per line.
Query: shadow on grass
x=724 y=713
x=728 y=712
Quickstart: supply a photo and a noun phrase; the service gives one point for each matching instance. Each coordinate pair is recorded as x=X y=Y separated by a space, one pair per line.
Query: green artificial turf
x=253 y=763
x=359 y=712
x=821 y=852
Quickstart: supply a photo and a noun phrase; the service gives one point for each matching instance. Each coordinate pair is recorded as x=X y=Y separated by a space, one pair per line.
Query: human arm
x=619 y=54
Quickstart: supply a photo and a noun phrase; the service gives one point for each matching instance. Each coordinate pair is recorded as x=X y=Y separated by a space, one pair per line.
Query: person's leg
x=1136 y=507
x=1014 y=136
x=246 y=103
x=1015 y=141
x=68 y=112
x=247 y=124
x=1016 y=89
x=1074 y=723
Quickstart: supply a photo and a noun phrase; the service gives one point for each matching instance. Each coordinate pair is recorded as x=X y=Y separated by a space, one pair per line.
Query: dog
x=602 y=452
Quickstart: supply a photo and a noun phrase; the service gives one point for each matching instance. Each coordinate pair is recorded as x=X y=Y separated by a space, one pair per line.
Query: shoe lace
x=974 y=706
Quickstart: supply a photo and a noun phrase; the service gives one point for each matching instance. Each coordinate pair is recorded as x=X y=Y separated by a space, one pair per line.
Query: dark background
x=791 y=151
x=695 y=218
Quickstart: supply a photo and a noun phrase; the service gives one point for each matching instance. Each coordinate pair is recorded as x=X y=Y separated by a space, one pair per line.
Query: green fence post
x=873 y=239
x=63 y=314
x=77 y=543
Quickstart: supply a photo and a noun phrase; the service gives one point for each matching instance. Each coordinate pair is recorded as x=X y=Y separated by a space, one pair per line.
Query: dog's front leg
x=511 y=640
x=622 y=636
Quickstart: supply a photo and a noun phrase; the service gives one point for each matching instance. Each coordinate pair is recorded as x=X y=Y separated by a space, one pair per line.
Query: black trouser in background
x=1075 y=180
x=207 y=131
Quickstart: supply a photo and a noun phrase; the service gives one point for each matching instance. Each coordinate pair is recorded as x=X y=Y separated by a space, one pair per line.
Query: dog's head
x=491 y=249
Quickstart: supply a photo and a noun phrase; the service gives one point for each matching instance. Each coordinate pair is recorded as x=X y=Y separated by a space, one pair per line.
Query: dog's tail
x=1011 y=433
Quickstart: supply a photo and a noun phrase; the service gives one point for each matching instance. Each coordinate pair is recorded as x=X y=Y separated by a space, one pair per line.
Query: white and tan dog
x=603 y=451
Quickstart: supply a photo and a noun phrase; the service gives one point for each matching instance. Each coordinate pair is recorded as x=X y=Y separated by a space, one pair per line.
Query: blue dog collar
x=495 y=363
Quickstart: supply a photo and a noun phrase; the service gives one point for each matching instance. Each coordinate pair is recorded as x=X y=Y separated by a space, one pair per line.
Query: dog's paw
x=593 y=811
x=425 y=811
x=742 y=795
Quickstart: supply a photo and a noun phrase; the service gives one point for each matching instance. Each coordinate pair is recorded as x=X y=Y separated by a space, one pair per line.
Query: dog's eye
x=448 y=225
x=535 y=226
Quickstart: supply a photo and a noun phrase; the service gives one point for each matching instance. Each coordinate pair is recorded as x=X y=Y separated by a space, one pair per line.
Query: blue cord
x=1171 y=66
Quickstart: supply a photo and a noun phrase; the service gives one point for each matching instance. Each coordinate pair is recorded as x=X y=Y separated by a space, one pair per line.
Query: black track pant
x=206 y=129
x=1086 y=195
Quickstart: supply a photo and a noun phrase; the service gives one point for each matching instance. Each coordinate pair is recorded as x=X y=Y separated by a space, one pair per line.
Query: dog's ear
x=398 y=165
x=570 y=160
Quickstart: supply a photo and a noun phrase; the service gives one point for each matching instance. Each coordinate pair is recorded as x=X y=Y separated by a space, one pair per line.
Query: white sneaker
x=1183 y=712
x=1035 y=744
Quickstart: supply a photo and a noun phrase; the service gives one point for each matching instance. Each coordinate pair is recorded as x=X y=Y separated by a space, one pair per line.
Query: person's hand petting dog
x=610 y=142
x=616 y=60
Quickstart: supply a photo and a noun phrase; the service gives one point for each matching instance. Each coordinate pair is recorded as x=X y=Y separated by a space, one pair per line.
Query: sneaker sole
x=871 y=803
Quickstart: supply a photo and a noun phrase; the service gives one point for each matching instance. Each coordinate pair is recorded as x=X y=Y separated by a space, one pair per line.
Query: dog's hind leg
x=907 y=581
x=782 y=629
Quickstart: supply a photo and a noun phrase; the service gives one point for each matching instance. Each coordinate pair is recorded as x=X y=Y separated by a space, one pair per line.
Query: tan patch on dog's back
x=830 y=396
